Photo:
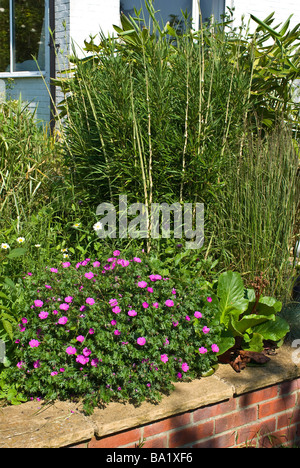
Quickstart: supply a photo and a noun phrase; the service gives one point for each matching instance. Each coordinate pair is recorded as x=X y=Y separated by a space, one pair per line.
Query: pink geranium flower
x=164 y=358
x=116 y=253
x=197 y=314
x=132 y=313
x=62 y=320
x=116 y=310
x=68 y=299
x=53 y=270
x=90 y=301
x=215 y=348
x=202 y=350
x=89 y=275
x=141 y=341
x=205 y=329
x=82 y=359
x=184 y=367
x=113 y=302
x=43 y=315
x=142 y=284
x=145 y=305
x=71 y=350
x=38 y=303
x=209 y=299
x=80 y=338
x=155 y=277
x=66 y=264
x=169 y=303
x=34 y=343
x=64 y=306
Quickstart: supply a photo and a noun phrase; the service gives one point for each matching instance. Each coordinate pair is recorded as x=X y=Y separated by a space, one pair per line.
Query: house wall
x=34 y=92
x=262 y=9
x=89 y=17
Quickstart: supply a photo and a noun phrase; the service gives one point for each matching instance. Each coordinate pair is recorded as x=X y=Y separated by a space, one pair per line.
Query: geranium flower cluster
x=111 y=329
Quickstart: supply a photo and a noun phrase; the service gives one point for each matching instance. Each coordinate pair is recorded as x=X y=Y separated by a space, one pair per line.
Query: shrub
x=111 y=331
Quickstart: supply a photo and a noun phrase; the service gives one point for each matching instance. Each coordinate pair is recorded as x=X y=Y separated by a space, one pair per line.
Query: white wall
x=90 y=16
x=262 y=8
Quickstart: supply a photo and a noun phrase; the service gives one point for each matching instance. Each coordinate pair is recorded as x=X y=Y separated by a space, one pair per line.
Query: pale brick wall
x=32 y=91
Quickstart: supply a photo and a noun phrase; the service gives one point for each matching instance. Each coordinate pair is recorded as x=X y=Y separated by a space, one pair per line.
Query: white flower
x=5 y=246
x=65 y=255
x=21 y=240
x=97 y=226
x=76 y=225
x=37 y=245
x=64 y=250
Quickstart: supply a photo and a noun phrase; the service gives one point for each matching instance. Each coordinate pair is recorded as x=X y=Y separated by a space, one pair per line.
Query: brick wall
x=266 y=418
x=34 y=92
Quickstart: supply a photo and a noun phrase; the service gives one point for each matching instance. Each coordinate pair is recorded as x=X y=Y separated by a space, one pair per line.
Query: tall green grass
x=255 y=224
x=168 y=117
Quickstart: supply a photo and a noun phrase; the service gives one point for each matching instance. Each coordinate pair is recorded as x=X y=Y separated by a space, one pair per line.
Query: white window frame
x=27 y=74
x=196 y=15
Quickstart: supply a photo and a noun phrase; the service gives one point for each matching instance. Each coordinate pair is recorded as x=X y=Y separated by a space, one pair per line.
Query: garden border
x=213 y=409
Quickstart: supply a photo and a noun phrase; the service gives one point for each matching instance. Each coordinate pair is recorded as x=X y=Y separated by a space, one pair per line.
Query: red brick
x=287 y=437
x=235 y=420
x=289 y=387
x=288 y=418
x=260 y=395
x=116 y=440
x=212 y=411
x=167 y=424
x=249 y=433
x=221 y=441
x=276 y=406
x=82 y=445
x=156 y=442
x=190 y=434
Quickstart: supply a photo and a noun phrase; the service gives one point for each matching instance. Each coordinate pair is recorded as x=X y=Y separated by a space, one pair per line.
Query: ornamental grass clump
x=111 y=329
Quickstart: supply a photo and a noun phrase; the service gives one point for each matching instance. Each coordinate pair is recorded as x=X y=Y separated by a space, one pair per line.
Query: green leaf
x=273 y=330
x=266 y=27
x=255 y=344
x=16 y=253
x=226 y=342
x=3 y=296
x=249 y=321
x=231 y=294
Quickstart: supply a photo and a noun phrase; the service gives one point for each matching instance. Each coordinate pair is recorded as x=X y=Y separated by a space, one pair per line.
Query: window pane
x=29 y=35
x=4 y=36
x=168 y=10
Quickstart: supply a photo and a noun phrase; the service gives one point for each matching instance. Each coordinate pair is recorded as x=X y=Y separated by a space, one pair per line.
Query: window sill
x=22 y=74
